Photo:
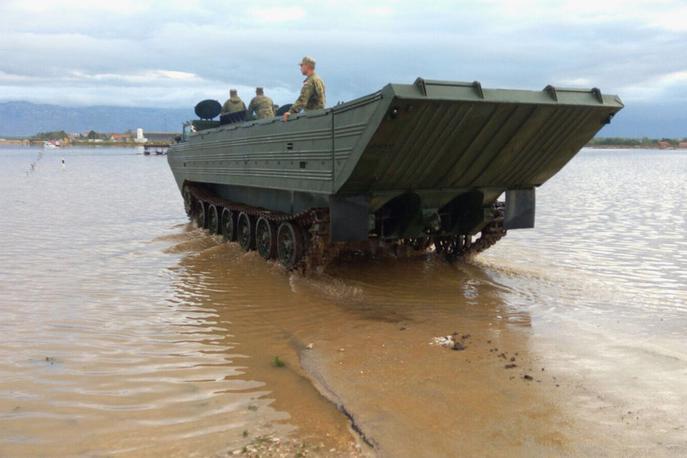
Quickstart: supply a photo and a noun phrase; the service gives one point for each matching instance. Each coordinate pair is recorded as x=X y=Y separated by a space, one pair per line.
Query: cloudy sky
x=172 y=53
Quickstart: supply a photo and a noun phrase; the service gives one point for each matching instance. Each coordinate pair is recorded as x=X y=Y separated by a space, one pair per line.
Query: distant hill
x=655 y=120
x=21 y=119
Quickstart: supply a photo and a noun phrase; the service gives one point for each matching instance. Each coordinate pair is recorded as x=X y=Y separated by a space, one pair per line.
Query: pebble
x=448 y=342
x=457 y=346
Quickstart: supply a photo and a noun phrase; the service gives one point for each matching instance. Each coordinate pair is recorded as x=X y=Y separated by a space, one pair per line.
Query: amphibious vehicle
x=412 y=165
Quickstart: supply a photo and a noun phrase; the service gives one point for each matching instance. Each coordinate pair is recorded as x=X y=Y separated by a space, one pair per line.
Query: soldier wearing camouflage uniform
x=261 y=105
x=312 y=93
x=234 y=103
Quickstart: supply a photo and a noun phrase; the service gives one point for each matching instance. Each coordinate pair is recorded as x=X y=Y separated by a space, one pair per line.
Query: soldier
x=233 y=103
x=261 y=105
x=312 y=93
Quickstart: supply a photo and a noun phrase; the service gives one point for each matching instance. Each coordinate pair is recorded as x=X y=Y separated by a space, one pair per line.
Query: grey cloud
x=358 y=50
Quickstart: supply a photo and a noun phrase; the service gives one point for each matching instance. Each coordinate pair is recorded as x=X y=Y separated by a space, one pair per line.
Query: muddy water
x=127 y=331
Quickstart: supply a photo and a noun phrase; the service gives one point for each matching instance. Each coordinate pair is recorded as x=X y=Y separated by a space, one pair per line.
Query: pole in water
x=63 y=165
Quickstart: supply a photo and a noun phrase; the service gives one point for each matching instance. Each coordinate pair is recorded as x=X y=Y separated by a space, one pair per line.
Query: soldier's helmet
x=259 y=91
x=307 y=60
x=233 y=92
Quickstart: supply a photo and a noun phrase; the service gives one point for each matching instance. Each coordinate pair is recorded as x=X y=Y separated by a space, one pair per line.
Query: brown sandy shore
x=362 y=375
x=396 y=393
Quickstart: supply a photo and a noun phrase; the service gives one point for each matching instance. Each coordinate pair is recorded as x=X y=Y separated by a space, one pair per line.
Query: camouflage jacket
x=312 y=95
x=233 y=104
x=262 y=106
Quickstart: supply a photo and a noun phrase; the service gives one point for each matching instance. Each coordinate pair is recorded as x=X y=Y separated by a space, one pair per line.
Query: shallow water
x=126 y=330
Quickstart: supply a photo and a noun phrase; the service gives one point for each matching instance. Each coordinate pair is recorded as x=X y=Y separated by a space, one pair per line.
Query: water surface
x=125 y=330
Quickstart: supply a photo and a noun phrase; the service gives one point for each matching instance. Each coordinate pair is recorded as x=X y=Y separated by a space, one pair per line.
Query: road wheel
x=245 y=233
x=228 y=225
x=266 y=238
x=188 y=200
x=212 y=219
x=199 y=214
x=289 y=244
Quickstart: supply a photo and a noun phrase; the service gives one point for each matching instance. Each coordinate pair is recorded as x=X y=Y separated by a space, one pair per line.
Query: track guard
x=520 y=205
x=348 y=218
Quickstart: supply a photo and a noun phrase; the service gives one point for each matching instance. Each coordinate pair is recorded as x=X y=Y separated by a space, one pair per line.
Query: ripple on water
x=123 y=320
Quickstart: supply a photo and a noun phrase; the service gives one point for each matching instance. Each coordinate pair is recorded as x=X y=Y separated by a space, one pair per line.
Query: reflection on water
x=98 y=352
x=126 y=330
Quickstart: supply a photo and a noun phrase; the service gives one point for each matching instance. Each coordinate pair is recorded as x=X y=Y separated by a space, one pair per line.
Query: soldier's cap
x=307 y=60
x=233 y=92
x=259 y=91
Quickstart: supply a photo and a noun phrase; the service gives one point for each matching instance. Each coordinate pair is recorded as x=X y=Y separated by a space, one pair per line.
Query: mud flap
x=349 y=221
x=519 y=209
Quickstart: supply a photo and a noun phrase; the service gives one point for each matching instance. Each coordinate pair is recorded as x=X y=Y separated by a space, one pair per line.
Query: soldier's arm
x=306 y=93
x=320 y=92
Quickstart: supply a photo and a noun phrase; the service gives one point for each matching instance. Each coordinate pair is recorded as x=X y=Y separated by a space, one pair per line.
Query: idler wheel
x=266 y=238
x=245 y=233
x=289 y=244
x=212 y=219
x=199 y=214
x=188 y=200
x=228 y=225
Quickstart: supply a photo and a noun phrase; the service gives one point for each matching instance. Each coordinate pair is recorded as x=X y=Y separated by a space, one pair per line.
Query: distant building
x=139 y=136
x=120 y=137
x=682 y=145
x=664 y=145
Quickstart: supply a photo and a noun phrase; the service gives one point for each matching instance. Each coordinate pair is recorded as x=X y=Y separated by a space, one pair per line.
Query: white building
x=139 y=136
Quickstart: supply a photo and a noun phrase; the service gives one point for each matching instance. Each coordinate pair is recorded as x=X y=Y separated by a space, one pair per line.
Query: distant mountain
x=21 y=119
x=655 y=120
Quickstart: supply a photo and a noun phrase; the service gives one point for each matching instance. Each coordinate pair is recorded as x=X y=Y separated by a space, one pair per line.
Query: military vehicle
x=413 y=165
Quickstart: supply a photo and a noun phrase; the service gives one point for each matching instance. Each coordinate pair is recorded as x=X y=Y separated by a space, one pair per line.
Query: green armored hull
x=421 y=163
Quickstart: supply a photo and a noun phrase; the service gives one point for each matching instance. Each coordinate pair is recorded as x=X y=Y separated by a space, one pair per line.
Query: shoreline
x=637 y=147
x=36 y=143
x=39 y=143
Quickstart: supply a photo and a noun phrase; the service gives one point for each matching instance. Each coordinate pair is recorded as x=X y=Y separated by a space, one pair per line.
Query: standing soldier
x=312 y=93
x=261 y=105
x=233 y=103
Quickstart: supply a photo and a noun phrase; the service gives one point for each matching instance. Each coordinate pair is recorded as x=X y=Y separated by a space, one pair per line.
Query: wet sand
x=407 y=396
